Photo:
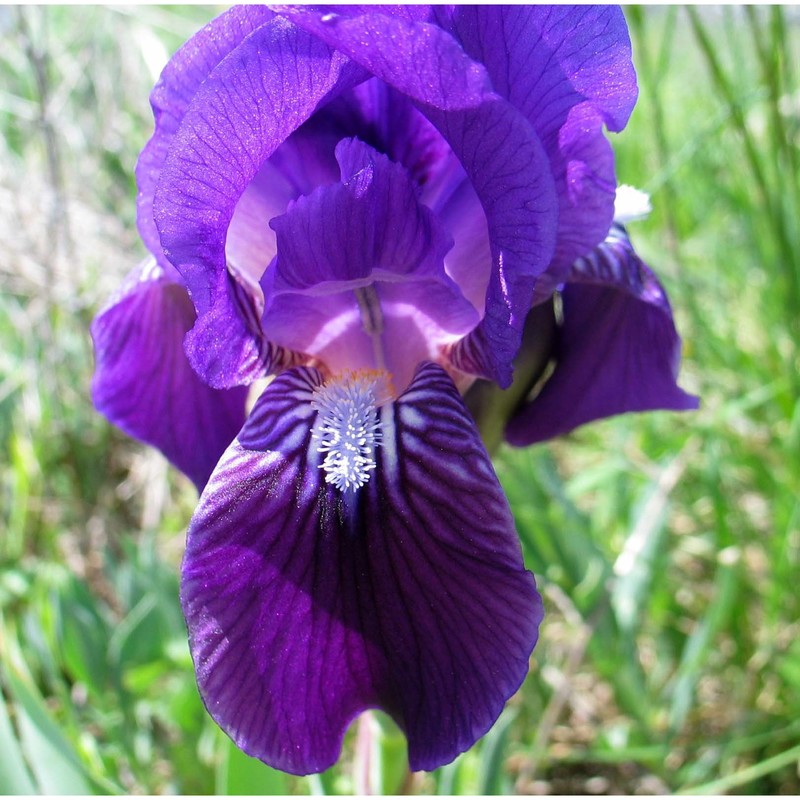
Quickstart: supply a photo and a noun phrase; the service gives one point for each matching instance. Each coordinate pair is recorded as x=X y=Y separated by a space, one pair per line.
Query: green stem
x=491 y=406
x=746 y=775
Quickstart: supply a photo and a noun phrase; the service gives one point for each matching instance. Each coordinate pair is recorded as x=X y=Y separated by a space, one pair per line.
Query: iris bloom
x=366 y=204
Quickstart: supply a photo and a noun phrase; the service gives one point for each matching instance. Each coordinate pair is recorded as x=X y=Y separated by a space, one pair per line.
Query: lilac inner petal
x=469 y=263
x=359 y=279
x=143 y=382
x=306 y=606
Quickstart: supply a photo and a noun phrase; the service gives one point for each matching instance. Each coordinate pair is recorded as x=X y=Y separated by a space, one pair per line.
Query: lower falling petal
x=307 y=605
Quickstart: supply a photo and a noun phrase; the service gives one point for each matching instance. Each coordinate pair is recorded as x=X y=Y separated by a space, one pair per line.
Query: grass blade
x=747 y=775
x=14 y=775
x=54 y=763
x=239 y=774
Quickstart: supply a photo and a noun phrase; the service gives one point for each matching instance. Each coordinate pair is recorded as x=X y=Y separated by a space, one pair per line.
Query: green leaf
x=493 y=751
x=83 y=635
x=747 y=775
x=55 y=765
x=239 y=774
x=635 y=567
x=136 y=638
x=14 y=775
x=700 y=644
x=393 y=753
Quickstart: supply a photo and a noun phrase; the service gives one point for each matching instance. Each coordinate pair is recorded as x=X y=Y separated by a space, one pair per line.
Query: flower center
x=348 y=429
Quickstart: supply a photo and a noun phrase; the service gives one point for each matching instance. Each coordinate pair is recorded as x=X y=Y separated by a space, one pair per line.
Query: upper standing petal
x=616 y=350
x=498 y=147
x=306 y=605
x=170 y=99
x=252 y=101
x=569 y=71
x=508 y=168
x=546 y=59
x=417 y=58
x=144 y=384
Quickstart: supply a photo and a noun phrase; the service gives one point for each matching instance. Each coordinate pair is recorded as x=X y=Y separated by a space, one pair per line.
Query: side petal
x=143 y=382
x=227 y=346
x=170 y=99
x=253 y=100
x=306 y=605
x=568 y=70
x=616 y=350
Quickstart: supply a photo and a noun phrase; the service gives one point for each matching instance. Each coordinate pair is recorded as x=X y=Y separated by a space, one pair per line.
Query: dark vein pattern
x=306 y=606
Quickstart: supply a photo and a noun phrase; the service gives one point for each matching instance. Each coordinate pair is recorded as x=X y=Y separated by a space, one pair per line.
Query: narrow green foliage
x=239 y=774
x=52 y=759
x=15 y=778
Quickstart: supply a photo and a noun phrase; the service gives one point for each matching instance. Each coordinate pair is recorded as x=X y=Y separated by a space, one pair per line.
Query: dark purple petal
x=617 y=349
x=143 y=382
x=365 y=246
x=170 y=98
x=253 y=100
x=307 y=605
x=569 y=71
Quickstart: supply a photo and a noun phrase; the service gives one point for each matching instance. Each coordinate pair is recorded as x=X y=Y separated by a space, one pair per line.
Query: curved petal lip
x=171 y=97
x=259 y=94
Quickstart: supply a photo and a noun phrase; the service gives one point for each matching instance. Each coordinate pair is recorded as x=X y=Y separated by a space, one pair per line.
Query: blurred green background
x=667 y=546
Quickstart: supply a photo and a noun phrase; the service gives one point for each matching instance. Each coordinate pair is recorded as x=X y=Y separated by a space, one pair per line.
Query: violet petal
x=170 y=99
x=418 y=59
x=497 y=146
x=254 y=99
x=569 y=71
x=307 y=605
x=617 y=349
x=227 y=346
x=143 y=382
x=509 y=170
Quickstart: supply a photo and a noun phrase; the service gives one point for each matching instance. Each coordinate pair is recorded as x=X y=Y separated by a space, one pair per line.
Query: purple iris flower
x=366 y=203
